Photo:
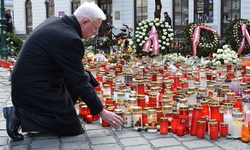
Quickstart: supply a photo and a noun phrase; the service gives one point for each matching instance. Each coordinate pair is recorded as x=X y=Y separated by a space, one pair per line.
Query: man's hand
x=111 y=118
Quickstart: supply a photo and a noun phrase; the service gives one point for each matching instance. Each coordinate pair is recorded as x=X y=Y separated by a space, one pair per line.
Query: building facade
x=28 y=14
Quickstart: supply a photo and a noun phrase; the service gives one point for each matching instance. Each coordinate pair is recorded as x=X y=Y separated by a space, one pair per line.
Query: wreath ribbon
x=153 y=39
x=196 y=36
x=245 y=36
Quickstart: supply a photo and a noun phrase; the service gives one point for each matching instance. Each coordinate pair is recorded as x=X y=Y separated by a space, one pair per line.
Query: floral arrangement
x=126 y=50
x=209 y=41
x=234 y=36
x=14 y=44
x=173 y=57
x=225 y=56
x=165 y=34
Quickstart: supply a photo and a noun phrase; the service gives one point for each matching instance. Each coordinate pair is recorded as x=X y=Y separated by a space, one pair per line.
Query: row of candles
x=187 y=101
x=204 y=101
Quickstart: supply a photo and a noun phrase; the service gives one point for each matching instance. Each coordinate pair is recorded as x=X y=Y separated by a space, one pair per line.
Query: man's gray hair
x=90 y=11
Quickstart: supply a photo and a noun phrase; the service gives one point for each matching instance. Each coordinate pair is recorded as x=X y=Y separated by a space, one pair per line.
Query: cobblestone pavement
x=97 y=137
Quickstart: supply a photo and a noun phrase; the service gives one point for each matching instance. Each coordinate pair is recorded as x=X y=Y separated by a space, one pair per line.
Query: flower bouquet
x=225 y=56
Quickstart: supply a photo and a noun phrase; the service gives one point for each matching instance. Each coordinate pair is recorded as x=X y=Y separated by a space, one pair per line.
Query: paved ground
x=100 y=138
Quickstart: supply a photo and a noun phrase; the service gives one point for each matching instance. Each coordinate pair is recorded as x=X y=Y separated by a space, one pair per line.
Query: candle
x=137 y=118
x=89 y=118
x=236 y=129
x=140 y=87
x=197 y=114
x=152 y=99
x=105 y=124
x=180 y=130
x=184 y=121
x=213 y=130
x=84 y=112
x=141 y=101
x=152 y=120
x=223 y=129
x=174 y=124
x=215 y=111
x=200 y=132
x=164 y=125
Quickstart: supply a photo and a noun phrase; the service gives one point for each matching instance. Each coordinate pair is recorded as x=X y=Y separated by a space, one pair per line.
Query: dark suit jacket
x=52 y=53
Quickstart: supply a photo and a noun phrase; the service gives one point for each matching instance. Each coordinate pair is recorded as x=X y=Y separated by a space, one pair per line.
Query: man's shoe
x=12 y=123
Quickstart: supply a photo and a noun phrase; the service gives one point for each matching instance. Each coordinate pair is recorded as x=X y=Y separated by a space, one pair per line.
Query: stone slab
x=163 y=142
x=133 y=141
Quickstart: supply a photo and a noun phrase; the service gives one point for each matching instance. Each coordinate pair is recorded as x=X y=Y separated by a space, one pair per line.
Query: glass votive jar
x=201 y=129
x=164 y=125
x=223 y=129
x=152 y=120
x=213 y=130
x=137 y=118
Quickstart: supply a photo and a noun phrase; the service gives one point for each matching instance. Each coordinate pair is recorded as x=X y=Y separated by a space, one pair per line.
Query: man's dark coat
x=47 y=74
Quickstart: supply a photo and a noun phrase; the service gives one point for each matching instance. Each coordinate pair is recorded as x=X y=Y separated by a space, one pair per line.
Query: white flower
x=225 y=46
x=218 y=56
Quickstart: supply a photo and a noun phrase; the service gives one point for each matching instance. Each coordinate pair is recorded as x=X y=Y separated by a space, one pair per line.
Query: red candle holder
x=159 y=115
x=223 y=129
x=184 y=121
x=84 y=112
x=180 y=130
x=89 y=118
x=152 y=99
x=163 y=125
x=105 y=124
x=144 y=118
x=213 y=130
x=215 y=111
x=174 y=124
x=140 y=87
x=196 y=115
x=200 y=132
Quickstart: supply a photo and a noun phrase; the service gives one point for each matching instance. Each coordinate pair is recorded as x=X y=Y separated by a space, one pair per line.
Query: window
x=230 y=10
x=74 y=5
x=28 y=16
x=180 y=16
x=51 y=11
x=142 y=10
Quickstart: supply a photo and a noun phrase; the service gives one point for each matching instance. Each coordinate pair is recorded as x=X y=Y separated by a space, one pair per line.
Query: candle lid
x=140 y=96
x=183 y=108
x=164 y=119
x=152 y=111
x=230 y=94
x=204 y=102
x=152 y=95
x=201 y=122
x=223 y=124
x=228 y=105
x=197 y=106
x=213 y=123
x=214 y=104
x=183 y=100
x=118 y=110
x=136 y=109
x=246 y=99
x=167 y=107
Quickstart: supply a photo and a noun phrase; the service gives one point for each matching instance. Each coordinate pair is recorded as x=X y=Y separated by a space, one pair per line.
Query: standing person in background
x=49 y=77
x=8 y=21
x=167 y=18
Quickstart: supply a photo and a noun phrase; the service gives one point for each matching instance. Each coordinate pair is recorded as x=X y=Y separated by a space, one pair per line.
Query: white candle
x=236 y=129
x=228 y=119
